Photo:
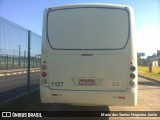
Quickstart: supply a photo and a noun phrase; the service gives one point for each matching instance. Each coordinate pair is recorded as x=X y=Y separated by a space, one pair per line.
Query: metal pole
x=150 y=66
x=28 y=74
x=24 y=58
x=19 y=55
x=13 y=61
x=7 y=61
x=36 y=61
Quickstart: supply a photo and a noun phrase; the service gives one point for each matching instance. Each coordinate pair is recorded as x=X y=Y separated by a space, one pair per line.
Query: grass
x=28 y=102
x=144 y=71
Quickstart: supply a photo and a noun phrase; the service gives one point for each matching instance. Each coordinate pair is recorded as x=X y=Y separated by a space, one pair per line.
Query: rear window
x=88 y=28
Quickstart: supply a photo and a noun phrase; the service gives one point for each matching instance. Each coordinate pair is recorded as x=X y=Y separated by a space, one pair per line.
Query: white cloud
x=148 y=40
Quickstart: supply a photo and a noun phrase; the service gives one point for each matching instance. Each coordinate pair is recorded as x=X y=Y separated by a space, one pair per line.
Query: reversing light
x=132 y=68
x=132 y=83
x=44 y=81
x=132 y=75
x=43 y=67
x=44 y=74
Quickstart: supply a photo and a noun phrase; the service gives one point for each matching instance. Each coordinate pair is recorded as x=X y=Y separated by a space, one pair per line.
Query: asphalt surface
x=148 y=100
x=12 y=85
x=10 y=94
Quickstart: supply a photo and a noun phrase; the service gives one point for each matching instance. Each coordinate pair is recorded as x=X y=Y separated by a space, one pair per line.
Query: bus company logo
x=87 y=82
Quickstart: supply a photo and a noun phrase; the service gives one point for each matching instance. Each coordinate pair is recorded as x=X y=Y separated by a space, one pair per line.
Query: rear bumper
x=122 y=98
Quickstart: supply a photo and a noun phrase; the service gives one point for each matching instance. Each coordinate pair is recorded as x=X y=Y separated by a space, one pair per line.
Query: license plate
x=87 y=82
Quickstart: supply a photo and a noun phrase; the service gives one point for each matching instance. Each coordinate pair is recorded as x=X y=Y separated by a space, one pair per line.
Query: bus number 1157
x=57 y=84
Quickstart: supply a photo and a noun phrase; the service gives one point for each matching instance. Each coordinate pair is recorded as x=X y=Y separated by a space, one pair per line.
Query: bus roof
x=90 y=5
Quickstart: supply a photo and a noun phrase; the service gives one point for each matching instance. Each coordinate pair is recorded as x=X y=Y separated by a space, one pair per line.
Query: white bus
x=88 y=55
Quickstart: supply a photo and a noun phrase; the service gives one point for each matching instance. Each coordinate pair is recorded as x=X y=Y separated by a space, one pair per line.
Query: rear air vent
x=86 y=54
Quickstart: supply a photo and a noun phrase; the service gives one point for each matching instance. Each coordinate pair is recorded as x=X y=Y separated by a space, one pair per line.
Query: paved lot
x=148 y=100
x=148 y=97
x=14 y=80
x=12 y=85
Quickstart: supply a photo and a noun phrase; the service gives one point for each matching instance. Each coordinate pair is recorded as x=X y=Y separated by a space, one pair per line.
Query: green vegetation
x=28 y=102
x=144 y=71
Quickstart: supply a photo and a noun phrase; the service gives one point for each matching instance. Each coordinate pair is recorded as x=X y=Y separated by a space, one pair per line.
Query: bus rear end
x=88 y=55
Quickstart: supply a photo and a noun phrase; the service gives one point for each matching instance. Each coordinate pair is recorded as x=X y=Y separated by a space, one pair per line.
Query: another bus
x=88 y=55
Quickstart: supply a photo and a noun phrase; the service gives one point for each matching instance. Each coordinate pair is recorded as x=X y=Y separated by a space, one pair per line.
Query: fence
x=8 y=61
x=20 y=51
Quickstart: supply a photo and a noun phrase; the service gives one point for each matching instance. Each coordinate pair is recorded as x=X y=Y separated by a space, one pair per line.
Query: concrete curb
x=157 y=81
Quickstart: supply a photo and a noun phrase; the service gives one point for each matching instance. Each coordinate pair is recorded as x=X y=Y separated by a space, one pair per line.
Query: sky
x=29 y=14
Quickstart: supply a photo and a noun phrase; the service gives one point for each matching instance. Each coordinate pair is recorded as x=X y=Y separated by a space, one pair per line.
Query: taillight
x=44 y=74
x=43 y=67
x=44 y=81
x=132 y=68
x=132 y=83
x=132 y=75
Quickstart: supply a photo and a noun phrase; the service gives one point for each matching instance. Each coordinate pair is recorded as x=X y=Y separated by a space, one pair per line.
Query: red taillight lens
x=44 y=74
x=132 y=68
x=132 y=75
x=43 y=67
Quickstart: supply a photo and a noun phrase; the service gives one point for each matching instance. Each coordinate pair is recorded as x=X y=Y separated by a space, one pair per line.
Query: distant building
x=154 y=60
x=158 y=53
x=140 y=54
x=155 y=63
